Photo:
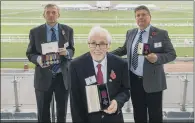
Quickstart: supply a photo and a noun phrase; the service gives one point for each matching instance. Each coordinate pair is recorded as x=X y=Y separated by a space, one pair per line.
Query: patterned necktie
x=99 y=75
x=135 y=55
x=54 y=67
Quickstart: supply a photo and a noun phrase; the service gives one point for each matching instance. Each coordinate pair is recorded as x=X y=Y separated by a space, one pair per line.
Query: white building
x=76 y=7
x=133 y=6
x=103 y=4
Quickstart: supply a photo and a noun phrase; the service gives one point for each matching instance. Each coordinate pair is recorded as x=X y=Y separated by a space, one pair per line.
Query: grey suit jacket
x=37 y=36
x=154 y=79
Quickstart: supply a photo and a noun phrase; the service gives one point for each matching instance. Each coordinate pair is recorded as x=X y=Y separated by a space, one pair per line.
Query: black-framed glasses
x=101 y=46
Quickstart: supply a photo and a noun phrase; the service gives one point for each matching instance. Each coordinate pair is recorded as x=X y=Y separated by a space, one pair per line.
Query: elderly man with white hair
x=106 y=69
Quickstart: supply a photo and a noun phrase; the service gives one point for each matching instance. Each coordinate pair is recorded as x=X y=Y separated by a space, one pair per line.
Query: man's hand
x=39 y=61
x=112 y=108
x=62 y=51
x=152 y=57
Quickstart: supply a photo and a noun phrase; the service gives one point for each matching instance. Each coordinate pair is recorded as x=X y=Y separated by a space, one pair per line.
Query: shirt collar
x=147 y=29
x=49 y=27
x=103 y=62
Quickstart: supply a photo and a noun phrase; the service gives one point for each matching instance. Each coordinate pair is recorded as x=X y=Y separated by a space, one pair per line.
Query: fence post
x=183 y=103
x=16 y=95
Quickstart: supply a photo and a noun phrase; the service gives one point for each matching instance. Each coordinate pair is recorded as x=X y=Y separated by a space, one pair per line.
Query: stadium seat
x=178 y=114
x=178 y=120
x=6 y=115
x=192 y=115
x=30 y=115
x=178 y=117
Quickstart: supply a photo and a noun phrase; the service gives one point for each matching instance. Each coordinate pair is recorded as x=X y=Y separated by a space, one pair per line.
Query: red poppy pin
x=153 y=33
x=112 y=75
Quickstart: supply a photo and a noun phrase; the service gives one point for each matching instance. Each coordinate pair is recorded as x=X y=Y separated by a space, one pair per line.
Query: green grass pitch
x=106 y=17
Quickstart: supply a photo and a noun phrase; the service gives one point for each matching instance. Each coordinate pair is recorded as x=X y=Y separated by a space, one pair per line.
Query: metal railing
x=185 y=59
x=183 y=40
x=128 y=109
x=15 y=82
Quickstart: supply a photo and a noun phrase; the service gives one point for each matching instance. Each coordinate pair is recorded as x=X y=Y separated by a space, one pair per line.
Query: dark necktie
x=54 y=67
x=135 y=55
x=99 y=75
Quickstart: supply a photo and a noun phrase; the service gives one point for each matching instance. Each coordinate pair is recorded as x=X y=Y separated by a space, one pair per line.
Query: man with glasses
x=147 y=76
x=106 y=69
x=52 y=78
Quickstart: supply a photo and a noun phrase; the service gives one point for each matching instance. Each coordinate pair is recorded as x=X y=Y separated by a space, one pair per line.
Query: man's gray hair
x=52 y=5
x=99 y=29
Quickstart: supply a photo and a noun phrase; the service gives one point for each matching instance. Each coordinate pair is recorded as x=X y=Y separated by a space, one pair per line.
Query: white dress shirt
x=103 y=68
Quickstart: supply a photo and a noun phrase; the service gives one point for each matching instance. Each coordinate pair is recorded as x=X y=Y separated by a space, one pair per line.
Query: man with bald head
x=114 y=73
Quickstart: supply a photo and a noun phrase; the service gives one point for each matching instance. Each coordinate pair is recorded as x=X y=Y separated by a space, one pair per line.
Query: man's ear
x=43 y=15
x=109 y=46
x=88 y=44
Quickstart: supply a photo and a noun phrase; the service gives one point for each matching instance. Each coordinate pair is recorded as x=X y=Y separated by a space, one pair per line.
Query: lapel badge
x=112 y=75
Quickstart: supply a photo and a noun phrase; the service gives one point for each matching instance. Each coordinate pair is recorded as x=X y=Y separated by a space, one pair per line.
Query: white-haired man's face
x=98 y=46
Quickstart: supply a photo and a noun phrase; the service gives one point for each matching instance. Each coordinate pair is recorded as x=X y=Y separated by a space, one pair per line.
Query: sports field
x=19 y=21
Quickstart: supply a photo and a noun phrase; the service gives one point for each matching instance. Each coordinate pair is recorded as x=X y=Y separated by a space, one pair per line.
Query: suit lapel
x=150 y=40
x=89 y=66
x=43 y=34
x=134 y=32
x=42 y=37
x=61 y=38
x=110 y=66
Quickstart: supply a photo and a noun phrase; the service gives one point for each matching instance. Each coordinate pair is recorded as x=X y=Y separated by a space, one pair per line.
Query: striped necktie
x=135 y=55
x=99 y=74
x=55 y=67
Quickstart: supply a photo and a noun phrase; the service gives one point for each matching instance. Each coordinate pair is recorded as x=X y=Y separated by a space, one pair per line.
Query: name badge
x=87 y=81
x=157 y=45
x=90 y=80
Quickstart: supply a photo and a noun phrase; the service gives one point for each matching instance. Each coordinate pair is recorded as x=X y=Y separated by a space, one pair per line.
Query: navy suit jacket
x=82 y=67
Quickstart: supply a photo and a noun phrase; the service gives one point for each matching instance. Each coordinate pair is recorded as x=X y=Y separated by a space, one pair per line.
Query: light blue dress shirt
x=145 y=35
x=49 y=32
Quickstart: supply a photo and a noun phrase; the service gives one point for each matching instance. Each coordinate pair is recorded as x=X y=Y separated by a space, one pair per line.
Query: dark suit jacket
x=81 y=68
x=37 y=36
x=154 y=79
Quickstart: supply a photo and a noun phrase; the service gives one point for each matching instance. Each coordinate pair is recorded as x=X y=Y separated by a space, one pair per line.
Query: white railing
x=93 y=19
x=178 y=40
x=185 y=59
x=184 y=24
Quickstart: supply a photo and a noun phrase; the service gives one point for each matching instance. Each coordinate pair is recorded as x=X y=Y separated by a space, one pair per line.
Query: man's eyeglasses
x=94 y=45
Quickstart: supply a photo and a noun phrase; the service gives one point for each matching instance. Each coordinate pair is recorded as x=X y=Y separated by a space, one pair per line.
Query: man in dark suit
x=106 y=68
x=51 y=79
x=147 y=74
